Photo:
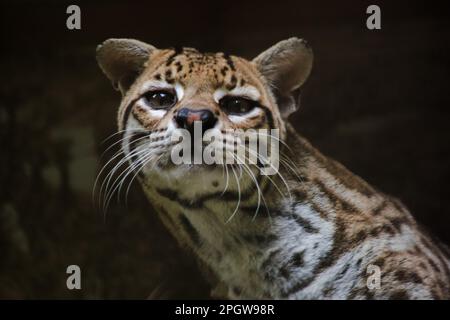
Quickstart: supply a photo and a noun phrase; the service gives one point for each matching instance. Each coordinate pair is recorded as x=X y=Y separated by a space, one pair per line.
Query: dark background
x=376 y=100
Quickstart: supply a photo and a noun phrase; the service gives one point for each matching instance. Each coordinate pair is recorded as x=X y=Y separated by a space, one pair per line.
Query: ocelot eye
x=160 y=99
x=237 y=105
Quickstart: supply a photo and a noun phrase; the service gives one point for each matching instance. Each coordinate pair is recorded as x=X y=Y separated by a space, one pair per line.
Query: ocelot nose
x=186 y=117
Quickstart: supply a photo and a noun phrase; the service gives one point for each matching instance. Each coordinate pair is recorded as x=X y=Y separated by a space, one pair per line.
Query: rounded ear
x=122 y=60
x=286 y=66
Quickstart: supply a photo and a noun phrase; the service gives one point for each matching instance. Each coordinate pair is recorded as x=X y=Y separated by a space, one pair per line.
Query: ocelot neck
x=257 y=246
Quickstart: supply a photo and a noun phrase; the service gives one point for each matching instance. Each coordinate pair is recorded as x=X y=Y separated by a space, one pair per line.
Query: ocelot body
x=313 y=230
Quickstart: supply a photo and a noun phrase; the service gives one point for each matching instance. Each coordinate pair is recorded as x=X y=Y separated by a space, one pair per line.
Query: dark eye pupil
x=160 y=99
x=235 y=105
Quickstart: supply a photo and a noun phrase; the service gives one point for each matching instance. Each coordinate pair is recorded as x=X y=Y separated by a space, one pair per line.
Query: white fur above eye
x=155 y=85
x=248 y=92
x=162 y=85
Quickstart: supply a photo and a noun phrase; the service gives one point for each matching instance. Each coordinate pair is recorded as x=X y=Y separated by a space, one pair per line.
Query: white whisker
x=239 y=196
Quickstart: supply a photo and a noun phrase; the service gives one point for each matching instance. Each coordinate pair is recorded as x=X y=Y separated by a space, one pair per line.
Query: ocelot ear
x=122 y=60
x=286 y=66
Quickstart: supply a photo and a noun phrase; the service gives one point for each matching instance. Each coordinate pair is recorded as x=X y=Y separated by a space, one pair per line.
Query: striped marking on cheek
x=144 y=109
x=147 y=117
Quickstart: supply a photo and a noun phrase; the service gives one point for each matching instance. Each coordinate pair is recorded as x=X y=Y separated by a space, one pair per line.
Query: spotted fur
x=315 y=238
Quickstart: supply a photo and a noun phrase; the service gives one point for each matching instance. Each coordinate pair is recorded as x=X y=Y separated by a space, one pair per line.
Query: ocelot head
x=168 y=91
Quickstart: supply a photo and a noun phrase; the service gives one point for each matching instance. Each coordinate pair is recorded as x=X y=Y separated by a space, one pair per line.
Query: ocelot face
x=176 y=102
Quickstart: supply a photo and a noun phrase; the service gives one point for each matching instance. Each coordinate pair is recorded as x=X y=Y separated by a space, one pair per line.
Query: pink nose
x=192 y=116
x=185 y=118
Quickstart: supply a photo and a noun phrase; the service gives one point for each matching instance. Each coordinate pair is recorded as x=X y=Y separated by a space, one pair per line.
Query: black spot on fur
x=257 y=239
x=230 y=86
x=397 y=223
x=284 y=272
x=369 y=295
x=380 y=262
x=237 y=291
x=179 y=66
x=190 y=230
x=409 y=276
x=168 y=76
x=336 y=251
x=224 y=70
x=358 y=263
x=328 y=291
x=399 y=295
x=305 y=224
x=176 y=51
x=380 y=208
x=343 y=271
x=299 y=195
x=297 y=259
x=360 y=236
x=269 y=259
x=229 y=61
x=434 y=266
